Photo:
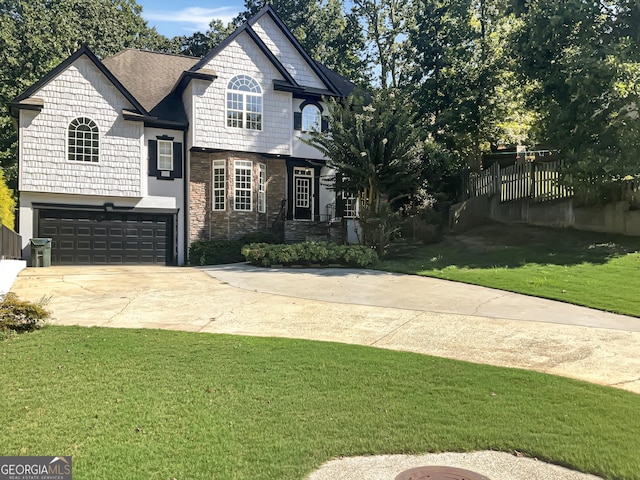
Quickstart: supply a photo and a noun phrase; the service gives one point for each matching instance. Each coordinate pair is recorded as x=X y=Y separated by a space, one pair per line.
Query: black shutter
x=297 y=120
x=339 y=196
x=324 y=124
x=153 y=158
x=177 y=160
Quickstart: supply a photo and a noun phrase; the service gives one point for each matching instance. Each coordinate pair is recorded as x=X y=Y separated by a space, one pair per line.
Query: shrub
x=426 y=226
x=381 y=228
x=7 y=203
x=215 y=252
x=20 y=315
x=309 y=253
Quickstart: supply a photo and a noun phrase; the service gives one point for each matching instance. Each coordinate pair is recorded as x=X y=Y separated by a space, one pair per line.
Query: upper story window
x=165 y=155
x=165 y=158
x=311 y=118
x=244 y=103
x=83 y=140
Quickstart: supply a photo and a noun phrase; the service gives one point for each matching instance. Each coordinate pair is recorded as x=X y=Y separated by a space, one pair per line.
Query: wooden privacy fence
x=537 y=181
x=10 y=244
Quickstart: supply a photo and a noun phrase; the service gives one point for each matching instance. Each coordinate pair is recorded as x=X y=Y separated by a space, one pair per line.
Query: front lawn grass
x=141 y=404
x=586 y=268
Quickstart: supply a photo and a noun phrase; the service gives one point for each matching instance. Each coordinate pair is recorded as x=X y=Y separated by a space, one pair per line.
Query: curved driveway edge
x=412 y=292
x=498 y=331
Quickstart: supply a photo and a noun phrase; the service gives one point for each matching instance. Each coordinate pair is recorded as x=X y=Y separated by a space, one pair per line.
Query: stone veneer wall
x=296 y=231
x=205 y=224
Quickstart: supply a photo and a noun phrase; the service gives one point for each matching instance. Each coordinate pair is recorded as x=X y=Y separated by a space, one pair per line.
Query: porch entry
x=303 y=193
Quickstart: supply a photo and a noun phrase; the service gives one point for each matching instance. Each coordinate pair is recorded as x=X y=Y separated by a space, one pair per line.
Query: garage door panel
x=68 y=245
x=86 y=237
x=66 y=259
x=80 y=245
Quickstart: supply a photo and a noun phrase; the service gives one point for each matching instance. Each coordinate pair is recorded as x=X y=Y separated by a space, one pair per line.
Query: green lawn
x=157 y=404
x=596 y=270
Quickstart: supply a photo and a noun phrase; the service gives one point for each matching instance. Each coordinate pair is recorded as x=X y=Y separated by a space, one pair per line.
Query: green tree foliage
x=37 y=35
x=199 y=44
x=7 y=203
x=375 y=146
x=585 y=58
x=324 y=28
x=463 y=75
x=386 y=27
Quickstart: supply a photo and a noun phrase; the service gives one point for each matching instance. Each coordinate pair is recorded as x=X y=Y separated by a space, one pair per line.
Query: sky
x=173 y=18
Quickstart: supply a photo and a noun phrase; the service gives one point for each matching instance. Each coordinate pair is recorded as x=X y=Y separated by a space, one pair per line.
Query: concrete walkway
x=398 y=312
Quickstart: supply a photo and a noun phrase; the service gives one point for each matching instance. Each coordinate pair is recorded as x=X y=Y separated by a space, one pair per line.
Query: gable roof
x=153 y=82
x=245 y=27
x=268 y=10
x=151 y=77
x=342 y=85
x=84 y=50
x=336 y=85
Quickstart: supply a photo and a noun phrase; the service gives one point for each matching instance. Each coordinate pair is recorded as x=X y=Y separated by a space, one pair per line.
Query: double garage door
x=105 y=238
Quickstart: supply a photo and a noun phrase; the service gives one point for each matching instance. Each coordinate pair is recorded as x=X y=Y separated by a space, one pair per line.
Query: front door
x=303 y=190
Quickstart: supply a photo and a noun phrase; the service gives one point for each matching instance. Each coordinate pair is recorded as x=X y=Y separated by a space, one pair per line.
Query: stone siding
x=80 y=91
x=296 y=231
x=206 y=224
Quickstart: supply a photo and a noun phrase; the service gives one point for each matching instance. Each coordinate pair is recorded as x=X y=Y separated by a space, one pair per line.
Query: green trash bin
x=40 y=252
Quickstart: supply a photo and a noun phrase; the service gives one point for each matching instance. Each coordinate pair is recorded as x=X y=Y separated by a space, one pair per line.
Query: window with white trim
x=165 y=155
x=219 y=184
x=244 y=103
x=311 y=118
x=262 y=188
x=350 y=205
x=83 y=140
x=242 y=185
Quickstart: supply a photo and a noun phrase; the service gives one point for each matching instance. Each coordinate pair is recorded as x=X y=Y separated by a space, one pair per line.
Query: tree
x=585 y=59
x=324 y=29
x=36 y=36
x=387 y=24
x=199 y=44
x=7 y=203
x=463 y=76
x=374 y=145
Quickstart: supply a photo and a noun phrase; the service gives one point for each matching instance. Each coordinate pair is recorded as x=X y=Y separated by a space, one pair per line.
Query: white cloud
x=193 y=18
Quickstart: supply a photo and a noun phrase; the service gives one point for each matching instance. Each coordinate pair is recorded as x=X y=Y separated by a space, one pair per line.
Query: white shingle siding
x=242 y=56
x=284 y=51
x=80 y=91
x=301 y=149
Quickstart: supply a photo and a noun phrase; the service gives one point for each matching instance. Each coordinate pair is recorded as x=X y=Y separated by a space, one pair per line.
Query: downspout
x=186 y=199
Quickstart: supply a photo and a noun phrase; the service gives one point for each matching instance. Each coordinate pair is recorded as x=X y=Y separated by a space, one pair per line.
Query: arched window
x=84 y=140
x=244 y=103
x=311 y=118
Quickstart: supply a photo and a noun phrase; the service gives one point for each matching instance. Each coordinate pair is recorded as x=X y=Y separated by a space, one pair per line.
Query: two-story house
x=131 y=158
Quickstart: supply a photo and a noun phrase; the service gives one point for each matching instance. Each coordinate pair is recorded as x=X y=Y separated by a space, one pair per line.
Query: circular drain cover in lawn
x=439 y=473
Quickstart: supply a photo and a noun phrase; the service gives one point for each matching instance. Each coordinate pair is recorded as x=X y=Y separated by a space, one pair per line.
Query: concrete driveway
x=384 y=310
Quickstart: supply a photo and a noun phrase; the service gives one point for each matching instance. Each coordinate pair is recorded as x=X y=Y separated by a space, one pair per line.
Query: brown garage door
x=105 y=238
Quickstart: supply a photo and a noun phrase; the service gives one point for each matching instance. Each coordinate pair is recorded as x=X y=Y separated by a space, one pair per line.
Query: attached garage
x=107 y=238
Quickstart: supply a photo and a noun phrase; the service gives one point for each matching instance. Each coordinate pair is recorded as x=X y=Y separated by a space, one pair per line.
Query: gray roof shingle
x=150 y=77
